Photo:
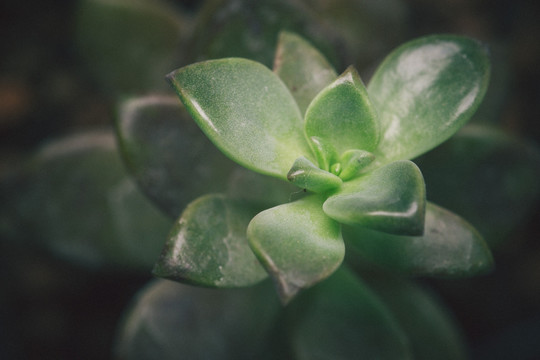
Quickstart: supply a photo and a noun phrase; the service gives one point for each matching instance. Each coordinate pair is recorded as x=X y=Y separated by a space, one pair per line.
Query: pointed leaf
x=302 y=68
x=425 y=91
x=449 y=247
x=390 y=199
x=342 y=116
x=307 y=176
x=480 y=174
x=246 y=110
x=342 y=318
x=297 y=244
x=169 y=156
x=208 y=245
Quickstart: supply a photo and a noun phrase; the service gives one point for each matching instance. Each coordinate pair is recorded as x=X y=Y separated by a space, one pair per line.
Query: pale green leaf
x=391 y=199
x=297 y=244
x=246 y=110
x=425 y=91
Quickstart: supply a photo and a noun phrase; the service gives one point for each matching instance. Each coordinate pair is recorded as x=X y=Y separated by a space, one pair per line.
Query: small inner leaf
x=208 y=245
x=297 y=244
x=342 y=115
x=306 y=175
x=302 y=68
x=390 y=199
x=353 y=161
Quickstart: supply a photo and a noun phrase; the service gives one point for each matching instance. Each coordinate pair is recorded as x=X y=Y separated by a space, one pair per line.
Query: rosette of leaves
x=347 y=148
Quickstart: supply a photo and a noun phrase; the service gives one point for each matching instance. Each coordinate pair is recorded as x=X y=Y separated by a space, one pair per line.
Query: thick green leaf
x=208 y=245
x=390 y=199
x=297 y=244
x=306 y=175
x=490 y=178
x=169 y=156
x=343 y=319
x=302 y=68
x=77 y=201
x=449 y=247
x=170 y=321
x=353 y=161
x=246 y=110
x=425 y=91
x=130 y=44
x=342 y=116
x=430 y=328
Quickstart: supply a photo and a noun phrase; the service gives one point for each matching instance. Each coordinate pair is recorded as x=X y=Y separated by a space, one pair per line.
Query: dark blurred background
x=51 y=309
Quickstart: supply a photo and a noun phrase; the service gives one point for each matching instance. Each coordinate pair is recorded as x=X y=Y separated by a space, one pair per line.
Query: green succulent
x=346 y=146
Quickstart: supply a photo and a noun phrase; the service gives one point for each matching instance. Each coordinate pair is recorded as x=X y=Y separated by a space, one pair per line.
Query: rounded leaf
x=450 y=247
x=247 y=112
x=424 y=91
x=297 y=244
x=208 y=245
x=342 y=318
x=390 y=199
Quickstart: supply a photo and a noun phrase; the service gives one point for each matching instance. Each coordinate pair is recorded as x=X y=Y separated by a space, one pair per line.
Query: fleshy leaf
x=342 y=318
x=302 y=68
x=391 y=199
x=342 y=116
x=169 y=156
x=208 y=245
x=306 y=175
x=425 y=91
x=353 y=161
x=449 y=247
x=297 y=244
x=167 y=320
x=481 y=173
x=246 y=110
x=431 y=329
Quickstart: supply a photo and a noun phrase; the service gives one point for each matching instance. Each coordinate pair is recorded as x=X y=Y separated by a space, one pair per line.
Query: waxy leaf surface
x=342 y=318
x=391 y=199
x=449 y=247
x=208 y=245
x=425 y=91
x=297 y=244
x=246 y=110
x=170 y=157
x=342 y=116
x=302 y=68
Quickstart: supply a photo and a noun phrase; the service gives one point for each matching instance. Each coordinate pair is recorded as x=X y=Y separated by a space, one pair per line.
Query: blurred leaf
x=490 y=178
x=342 y=116
x=424 y=91
x=302 y=68
x=169 y=156
x=449 y=247
x=168 y=320
x=430 y=328
x=391 y=199
x=208 y=245
x=246 y=110
x=130 y=45
x=297 y=244
x=78 y=201
x=342 y=318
